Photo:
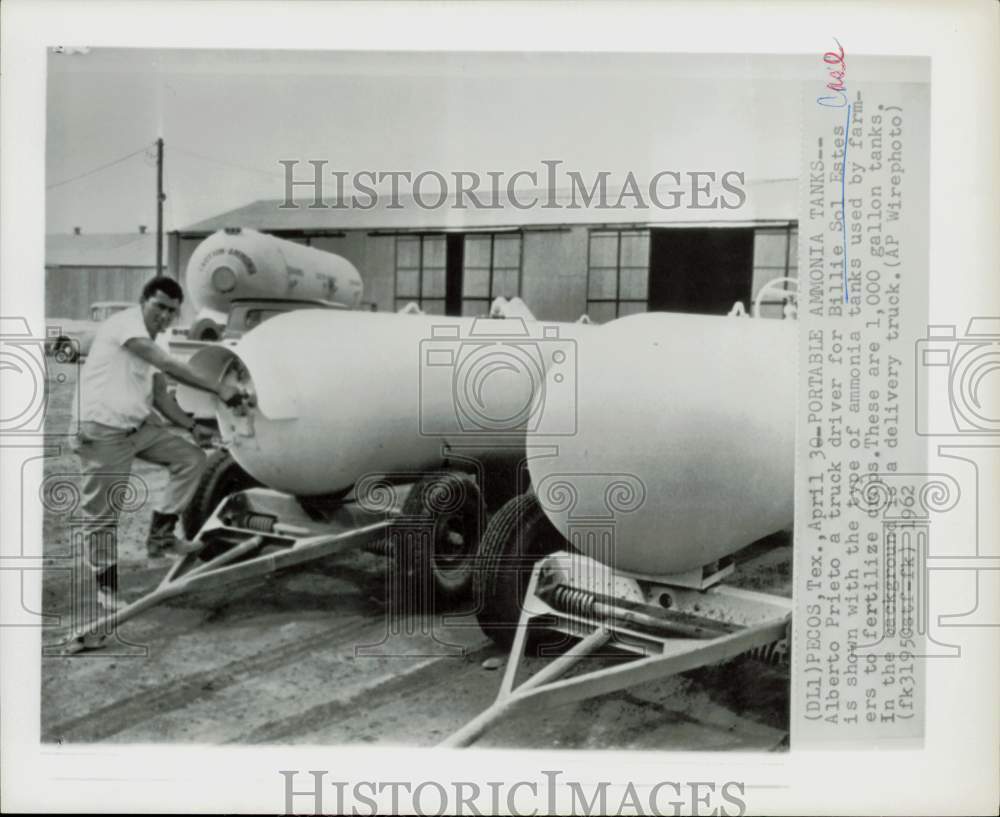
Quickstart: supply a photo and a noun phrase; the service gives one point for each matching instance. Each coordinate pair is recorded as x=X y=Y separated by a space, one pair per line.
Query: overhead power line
x=235 y=165
x=92 y=171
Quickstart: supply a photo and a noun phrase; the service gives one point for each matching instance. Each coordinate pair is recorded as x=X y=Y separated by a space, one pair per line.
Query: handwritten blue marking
x=843 y=196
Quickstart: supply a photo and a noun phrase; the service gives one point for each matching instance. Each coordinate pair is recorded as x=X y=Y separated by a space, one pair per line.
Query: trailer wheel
x=446 y=560
x=222 y=476
x=205 y=329
x=518 y=536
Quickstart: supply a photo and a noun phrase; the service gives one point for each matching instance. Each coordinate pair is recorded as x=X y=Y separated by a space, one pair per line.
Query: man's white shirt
x=116 y=386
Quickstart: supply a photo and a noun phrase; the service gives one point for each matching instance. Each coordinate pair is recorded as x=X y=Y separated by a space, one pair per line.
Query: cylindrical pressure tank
x=237 y=263
x=684 y=450
x=340 y=394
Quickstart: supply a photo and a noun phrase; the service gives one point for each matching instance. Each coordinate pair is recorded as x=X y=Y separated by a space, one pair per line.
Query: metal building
x=563 y=261
x=81 y=269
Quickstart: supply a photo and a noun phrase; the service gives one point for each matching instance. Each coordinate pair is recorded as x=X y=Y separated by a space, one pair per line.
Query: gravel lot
x=275 y=660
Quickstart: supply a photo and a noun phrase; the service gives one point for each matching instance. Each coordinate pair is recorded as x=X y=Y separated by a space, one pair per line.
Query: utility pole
x=159 y=206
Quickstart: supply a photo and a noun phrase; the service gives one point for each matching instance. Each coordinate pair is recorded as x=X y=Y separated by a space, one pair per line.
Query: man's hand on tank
x=230 y=395
x=202 y=435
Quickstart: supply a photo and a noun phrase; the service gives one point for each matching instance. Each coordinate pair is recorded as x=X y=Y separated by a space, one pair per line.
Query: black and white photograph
x=440 y=381
x=479 y=408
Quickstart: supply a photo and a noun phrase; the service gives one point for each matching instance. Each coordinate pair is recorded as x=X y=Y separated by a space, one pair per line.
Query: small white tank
x=239 y=263
x=343 y=394
x=685 y=443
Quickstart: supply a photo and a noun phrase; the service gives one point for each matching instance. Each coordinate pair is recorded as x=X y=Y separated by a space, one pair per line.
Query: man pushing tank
x=121 y=382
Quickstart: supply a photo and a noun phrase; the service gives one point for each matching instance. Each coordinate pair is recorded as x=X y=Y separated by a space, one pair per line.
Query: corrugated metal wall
x=69 y=291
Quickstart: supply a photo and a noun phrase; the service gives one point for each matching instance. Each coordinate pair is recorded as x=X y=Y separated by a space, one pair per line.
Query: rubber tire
x=418 y=563
x=518 y=535
x=222 y=476
x=205 y=330
x=320 y=507
x=65 y=351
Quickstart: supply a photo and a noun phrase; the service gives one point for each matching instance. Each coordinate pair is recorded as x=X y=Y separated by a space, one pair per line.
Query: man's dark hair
x=168 y=286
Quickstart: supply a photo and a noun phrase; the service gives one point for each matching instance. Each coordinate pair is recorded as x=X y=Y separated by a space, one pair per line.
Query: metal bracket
x=671 y=630
x=259 y=531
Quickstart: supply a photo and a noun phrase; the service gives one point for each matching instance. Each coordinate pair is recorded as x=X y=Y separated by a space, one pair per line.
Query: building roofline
x=527 y=227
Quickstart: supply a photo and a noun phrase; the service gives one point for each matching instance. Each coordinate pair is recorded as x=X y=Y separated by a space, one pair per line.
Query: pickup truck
x=243 y=316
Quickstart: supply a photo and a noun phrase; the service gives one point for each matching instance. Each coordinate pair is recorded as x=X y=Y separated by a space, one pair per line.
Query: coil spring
x=776 y=652
x=261 y=522
x=381 y=547
x=572 y=600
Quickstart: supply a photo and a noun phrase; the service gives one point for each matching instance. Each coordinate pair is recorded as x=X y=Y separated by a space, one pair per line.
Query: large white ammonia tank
x=239 y=263
x=685 y=443
x=340 y=395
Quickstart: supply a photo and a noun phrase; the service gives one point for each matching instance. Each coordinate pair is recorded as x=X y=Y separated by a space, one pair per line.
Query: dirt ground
x=305 y=657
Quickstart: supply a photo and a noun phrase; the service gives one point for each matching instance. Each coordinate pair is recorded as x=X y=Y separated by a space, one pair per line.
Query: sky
x=228 y=117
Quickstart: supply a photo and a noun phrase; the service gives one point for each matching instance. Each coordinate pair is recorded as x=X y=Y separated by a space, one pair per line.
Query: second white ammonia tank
x=685 y=443
x=240 y=263
x=340 y=395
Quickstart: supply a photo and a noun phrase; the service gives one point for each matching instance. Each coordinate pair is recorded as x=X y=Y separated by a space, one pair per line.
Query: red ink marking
x=837 y=71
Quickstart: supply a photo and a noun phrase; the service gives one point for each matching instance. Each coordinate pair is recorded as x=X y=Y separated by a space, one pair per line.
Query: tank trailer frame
x=259 y=531
x=663 y=625
x=667 y=628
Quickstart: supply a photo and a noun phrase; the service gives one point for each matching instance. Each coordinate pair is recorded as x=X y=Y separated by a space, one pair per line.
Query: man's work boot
x=162 y=541
x=107 y=589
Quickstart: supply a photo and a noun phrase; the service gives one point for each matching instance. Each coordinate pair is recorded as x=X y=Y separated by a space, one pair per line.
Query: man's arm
x=147 y=349
x=165 y=403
